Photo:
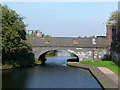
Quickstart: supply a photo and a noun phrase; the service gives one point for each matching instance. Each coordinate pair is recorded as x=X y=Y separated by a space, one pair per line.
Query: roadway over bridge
x=84 y=48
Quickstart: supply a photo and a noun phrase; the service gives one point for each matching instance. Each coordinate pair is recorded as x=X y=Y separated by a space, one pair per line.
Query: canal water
x=54 y=74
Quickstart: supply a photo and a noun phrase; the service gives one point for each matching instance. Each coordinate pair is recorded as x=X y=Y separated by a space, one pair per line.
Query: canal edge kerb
x=99 y=79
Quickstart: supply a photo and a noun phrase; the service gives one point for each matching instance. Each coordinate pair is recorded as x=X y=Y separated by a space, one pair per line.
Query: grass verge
x=109 y=64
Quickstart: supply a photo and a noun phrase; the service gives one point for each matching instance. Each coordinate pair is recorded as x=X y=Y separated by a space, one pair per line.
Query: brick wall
x=109 y=38
x=113 y=41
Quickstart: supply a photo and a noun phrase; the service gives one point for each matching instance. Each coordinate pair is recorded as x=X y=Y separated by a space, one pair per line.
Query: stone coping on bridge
x=68 y=41
x=106 y=77
x=74 y=37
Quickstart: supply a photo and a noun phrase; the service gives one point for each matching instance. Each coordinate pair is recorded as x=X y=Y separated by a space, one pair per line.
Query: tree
x=114 y=18
x=13 y=34
x=43 y=35
x=47 y=36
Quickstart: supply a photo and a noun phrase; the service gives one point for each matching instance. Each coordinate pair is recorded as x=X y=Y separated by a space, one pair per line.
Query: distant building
x=37 y=33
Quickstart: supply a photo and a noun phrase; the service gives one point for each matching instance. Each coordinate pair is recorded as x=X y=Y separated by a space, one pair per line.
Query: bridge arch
x=40 y=52
x=42 y=56
x=83 y=54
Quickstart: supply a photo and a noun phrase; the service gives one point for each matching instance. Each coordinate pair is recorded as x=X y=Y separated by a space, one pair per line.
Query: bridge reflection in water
x=61 y=57
x=54 y=74
x=60 y=54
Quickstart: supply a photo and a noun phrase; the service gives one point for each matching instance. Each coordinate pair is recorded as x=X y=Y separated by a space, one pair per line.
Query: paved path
x=105 y=76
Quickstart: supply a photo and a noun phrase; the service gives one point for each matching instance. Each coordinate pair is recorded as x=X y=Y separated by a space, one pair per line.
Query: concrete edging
x=101 y=80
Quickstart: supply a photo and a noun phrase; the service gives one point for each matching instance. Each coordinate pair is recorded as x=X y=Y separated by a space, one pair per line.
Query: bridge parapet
x=84 y=48
x=68 y=42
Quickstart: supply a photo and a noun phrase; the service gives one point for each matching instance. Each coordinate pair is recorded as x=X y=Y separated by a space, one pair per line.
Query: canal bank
x=106 y=77
x=8 y=68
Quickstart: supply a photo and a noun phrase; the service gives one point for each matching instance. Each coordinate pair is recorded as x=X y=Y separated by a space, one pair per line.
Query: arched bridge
x=84 y=48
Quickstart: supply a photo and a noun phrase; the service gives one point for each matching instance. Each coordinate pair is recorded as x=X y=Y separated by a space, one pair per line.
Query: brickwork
x=109 y=39
x=113 y=43
x=69 y=41
x=84 y=48
x=109 y=35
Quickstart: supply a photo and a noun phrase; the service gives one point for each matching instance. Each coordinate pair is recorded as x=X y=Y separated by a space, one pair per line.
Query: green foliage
x=30 y=35
x=37 y=62
x=109 y=64
x=24 y=59
x=73 y=55
x=47 y=36
x=14 y=50
x=12 y=21
x=51 y=53
x=8 y=65
x=114 y=18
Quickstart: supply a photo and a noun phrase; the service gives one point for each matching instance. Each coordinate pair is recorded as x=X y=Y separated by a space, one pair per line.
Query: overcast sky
x=66 y=19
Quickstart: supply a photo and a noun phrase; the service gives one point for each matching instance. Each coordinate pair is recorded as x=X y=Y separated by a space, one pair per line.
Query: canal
x=54 y=74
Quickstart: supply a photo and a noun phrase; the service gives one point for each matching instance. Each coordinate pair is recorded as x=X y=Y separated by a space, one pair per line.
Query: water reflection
x=54 y=74
x=60 y=58
x=61 y=61
x=63 y=53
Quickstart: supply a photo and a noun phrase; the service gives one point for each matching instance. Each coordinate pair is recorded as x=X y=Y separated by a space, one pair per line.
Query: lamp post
x=93 y=55
x=102 y=29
